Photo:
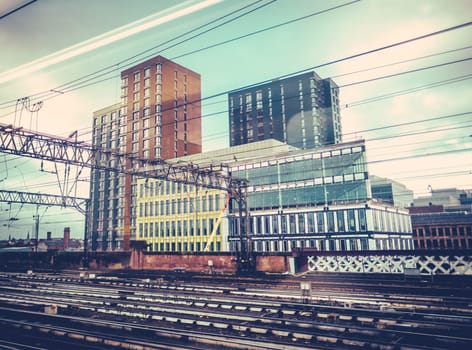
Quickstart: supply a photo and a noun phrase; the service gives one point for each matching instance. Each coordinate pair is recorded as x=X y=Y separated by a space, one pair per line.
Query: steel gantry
x=44 y=199
x=80 y=204
x=27 y=143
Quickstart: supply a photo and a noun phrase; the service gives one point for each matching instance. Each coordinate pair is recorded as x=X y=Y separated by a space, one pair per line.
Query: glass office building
x=319 y=198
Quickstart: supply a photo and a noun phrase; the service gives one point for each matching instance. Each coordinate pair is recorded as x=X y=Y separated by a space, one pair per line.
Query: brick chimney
x=66 y=237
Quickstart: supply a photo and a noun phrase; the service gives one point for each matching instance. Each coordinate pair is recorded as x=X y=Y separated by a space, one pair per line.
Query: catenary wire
x=405 y=72
x=61 y=87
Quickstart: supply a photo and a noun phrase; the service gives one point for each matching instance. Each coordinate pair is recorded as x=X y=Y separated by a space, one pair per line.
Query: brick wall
x=199 y=262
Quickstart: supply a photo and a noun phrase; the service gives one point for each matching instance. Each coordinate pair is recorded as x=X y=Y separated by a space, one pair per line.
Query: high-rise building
x=105 y=226
x=159 y=118
x=302 y=111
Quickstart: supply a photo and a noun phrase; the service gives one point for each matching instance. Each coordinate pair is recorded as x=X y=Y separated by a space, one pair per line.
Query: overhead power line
x=463 y=25
x=448 y=116
x=80 y=82
x=401 y=62
x=17 y=9
x=405 y=72
x=58 y=90
x=407 y=91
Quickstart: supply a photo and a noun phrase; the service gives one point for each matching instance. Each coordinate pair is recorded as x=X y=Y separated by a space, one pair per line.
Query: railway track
x=389 y=296
x=239 y=317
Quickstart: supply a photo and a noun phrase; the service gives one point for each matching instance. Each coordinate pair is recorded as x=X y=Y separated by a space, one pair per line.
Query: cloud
x=123 y=32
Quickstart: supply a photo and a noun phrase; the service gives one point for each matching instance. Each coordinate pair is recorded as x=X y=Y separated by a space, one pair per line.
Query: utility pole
x=85 y=263
x=36 y=229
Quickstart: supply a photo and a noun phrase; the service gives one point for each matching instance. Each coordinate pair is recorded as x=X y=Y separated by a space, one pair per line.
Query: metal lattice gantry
x=43 y=199
x=27 y=143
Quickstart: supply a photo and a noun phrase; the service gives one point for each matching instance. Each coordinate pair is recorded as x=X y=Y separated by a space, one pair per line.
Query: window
x=248 y=102
x=136 y=76
x=292 y=223
x=311 y=223
x=351 y=220
x=362 y=220
x=147 y=72
x=275 y=225
x=301 y=223
x=283 y=224
x=320 y=222
x=330 y=219
x=259 y=99
x=340 y=219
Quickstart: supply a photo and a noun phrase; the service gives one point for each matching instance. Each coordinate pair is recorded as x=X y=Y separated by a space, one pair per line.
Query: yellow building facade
x=175 y=217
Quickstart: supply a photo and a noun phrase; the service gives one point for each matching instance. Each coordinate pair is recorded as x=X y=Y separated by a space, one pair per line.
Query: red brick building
x=441 y=230
x=161 y=103
x=159 y=117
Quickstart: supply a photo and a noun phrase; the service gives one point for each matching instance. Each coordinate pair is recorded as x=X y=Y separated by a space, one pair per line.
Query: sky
x=410 y=102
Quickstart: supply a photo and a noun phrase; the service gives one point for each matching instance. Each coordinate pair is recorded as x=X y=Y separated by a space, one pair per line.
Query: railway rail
x=233 y=315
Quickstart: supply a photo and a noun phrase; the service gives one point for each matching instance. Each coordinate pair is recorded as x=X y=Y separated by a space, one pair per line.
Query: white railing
x=425 y=265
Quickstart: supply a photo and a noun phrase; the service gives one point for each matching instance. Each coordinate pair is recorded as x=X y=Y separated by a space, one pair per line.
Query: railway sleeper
x=303 y=336
x=76 y=336
x=187 y=321
x=297 y=324
x=44 y=330
x=239 y=328
x=326 y=339
x=355 y=343
x=92 y=339
x=203 y=323
x=111 y=342
x=280 y=333
x=168 y=335
x=270 y=321
x=240 y=308
x=329 y=328
x=258 y=330
x=365 y=320
x=220 y=325
x=364 y=332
